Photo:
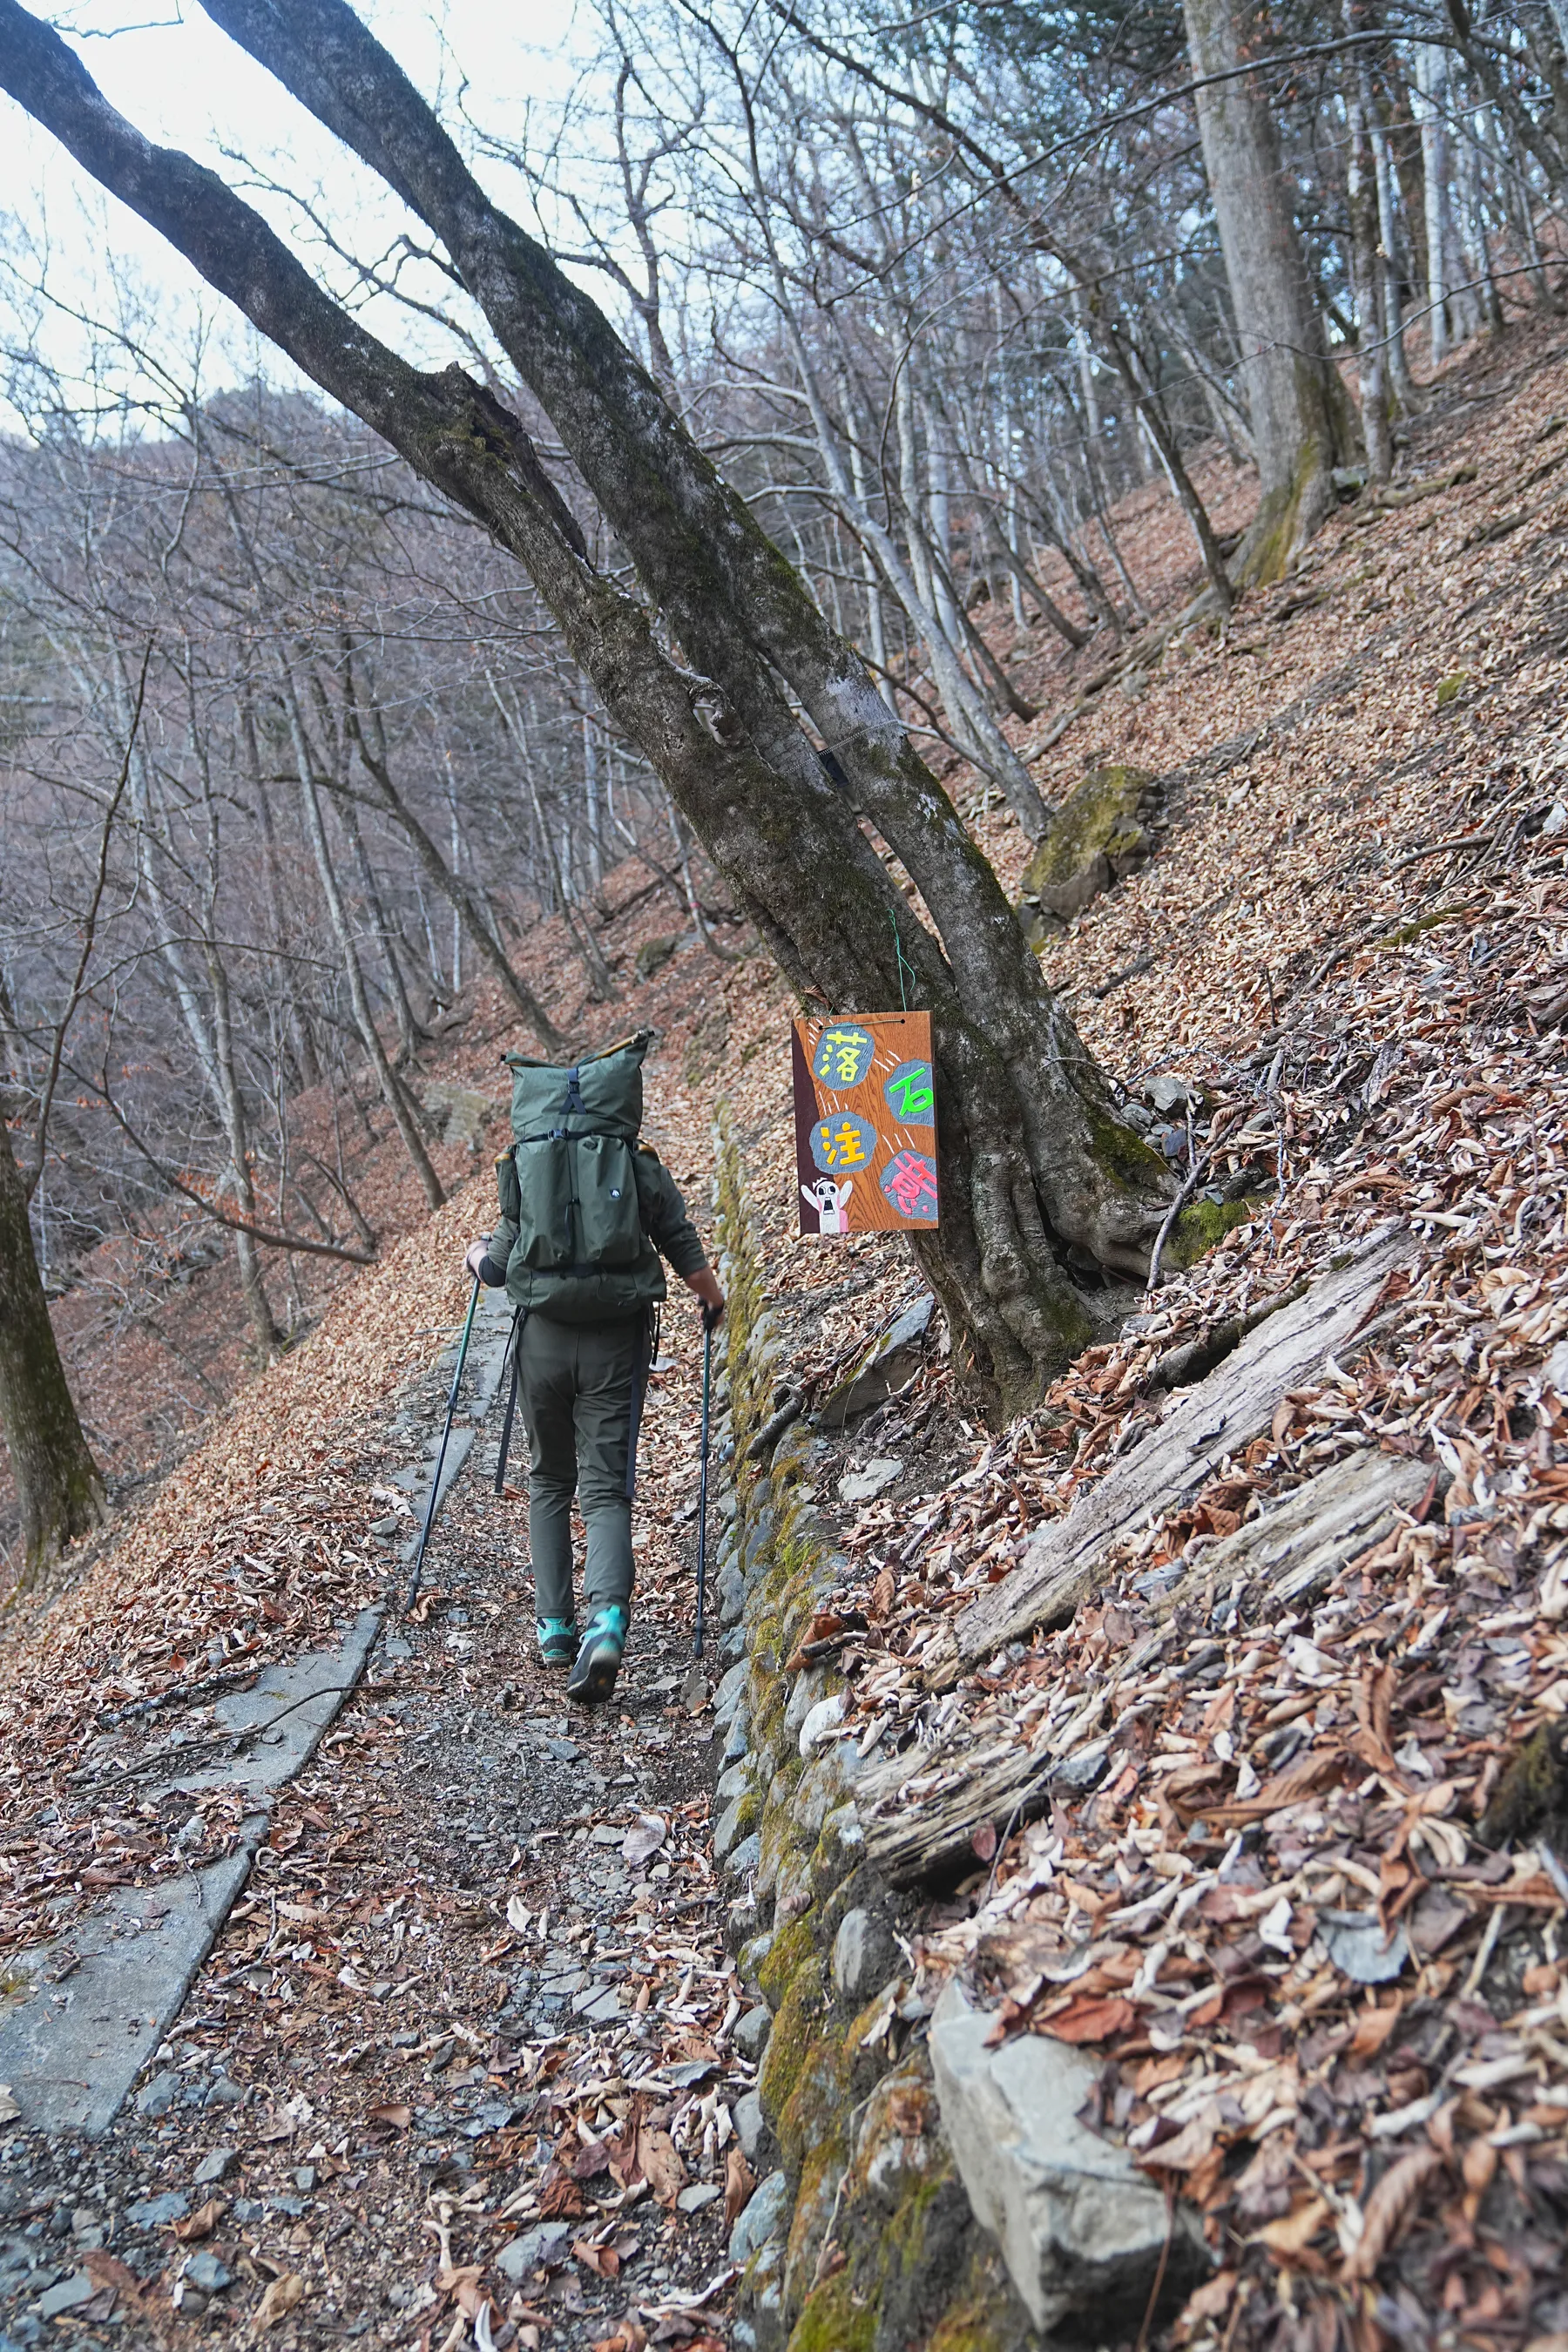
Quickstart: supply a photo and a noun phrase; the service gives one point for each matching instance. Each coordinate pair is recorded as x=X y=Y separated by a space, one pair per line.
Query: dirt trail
x=478 y=1963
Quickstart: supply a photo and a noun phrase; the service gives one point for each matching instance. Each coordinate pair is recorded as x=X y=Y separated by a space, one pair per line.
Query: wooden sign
x=865 y=1123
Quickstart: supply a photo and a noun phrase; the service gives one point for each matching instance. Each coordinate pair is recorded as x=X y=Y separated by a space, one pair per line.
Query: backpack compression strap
x=572 y=1108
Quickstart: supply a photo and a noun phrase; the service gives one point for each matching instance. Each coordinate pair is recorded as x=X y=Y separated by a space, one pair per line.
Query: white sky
x=186 y=84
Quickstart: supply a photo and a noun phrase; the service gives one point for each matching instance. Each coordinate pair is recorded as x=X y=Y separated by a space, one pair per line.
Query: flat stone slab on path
x=88 y=2009
x=73 y=2043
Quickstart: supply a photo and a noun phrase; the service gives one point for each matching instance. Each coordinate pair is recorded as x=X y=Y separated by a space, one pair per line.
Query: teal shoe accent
x=593 y=1679
x=557 y=1640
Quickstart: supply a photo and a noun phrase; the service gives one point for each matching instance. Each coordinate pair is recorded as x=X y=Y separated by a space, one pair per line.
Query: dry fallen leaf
x=560 y=2199
x=601 y=2260
x=278 y=2301
x=1293 y=2232
x=201 y=2222
x=1090 y=2018
x=107 y=2270
x=644 y=1838
x=739 y=2180
x=1386 y=2209
x=661 y=2167
x=393 y=2114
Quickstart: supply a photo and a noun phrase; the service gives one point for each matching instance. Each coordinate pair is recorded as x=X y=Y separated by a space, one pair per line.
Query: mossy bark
x=58 y=1490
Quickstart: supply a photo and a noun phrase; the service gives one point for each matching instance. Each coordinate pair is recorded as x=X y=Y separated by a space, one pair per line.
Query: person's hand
x=705 y=1287
x=476 y=1257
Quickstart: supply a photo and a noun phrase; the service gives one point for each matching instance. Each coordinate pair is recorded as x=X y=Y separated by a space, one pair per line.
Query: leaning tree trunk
x=1035 y=1164
x=58 y=1485
x=1302 y=422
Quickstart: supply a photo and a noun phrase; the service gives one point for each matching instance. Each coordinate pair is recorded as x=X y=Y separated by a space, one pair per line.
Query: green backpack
x=576 y=1131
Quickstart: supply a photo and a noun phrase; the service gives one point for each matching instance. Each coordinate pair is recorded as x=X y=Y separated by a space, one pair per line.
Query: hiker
x=585 y=1209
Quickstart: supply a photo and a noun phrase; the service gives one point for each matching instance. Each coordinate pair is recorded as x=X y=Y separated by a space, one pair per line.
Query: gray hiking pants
x=581 y=1387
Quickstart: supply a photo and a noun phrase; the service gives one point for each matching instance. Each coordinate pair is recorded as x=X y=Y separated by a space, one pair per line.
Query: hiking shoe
x=557 y=1640
x=593 y=1677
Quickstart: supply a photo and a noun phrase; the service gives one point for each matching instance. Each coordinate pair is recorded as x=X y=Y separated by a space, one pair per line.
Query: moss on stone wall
x=881 y=2249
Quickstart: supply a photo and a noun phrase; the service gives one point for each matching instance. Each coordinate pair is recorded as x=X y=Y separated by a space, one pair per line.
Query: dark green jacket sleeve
x=497 y=1249
x=663 y=1216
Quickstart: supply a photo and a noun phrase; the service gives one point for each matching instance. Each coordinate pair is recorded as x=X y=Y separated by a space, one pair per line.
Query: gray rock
x=751 y=1954
x=733 y=1643
x=207 y=2272
x=805 y=1692
x=730 y=1693
x=732 y=1596
x=655 y=953
x=821 y=1722
x=462 y=1111
x=1167 y=1092
x=757 y=1550
x=864 y=1486
x=156 y=2097
x=864 y=1957
x=764 y=2289
x=70 y=2291
x=525 y=2255
x=733 y=1783
x=213 y=2166
x=739 y=1742
x=729 y=1828
x=751 y=2031
x=750 y=2126
x=700 y=2193
x=1358 y=1948
x=764 y=2217
x=885 y=1366
x=821 y=1791
x=745 y=1857
x=841 y=1847
x=157 y=2212
x=1081 y=2231
x=226 y=2093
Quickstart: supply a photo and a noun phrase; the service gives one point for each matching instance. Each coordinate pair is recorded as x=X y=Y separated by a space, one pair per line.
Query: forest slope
x=1352 y=949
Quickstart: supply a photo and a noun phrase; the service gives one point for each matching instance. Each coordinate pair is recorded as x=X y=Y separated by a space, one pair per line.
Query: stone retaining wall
x=861 y=2237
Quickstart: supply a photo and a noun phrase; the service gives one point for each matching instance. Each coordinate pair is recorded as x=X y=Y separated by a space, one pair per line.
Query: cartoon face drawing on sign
x=828 y=1200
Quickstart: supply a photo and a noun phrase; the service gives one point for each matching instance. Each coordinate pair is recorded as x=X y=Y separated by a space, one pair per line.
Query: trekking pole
x=408 y=1597
x=709 y=1322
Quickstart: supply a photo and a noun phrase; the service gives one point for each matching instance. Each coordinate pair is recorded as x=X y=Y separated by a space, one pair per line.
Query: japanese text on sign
x=865 y=1114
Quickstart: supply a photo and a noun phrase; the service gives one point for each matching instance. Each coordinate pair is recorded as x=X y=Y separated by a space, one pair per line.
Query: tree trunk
x=1361 y=203
x=1035 y=1164
x=394 y=1095
x=1301 y=425
x=209 y=1028
x=1399 y=376
x=58 y=1489
x=1432 y=91
x=451 y=885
